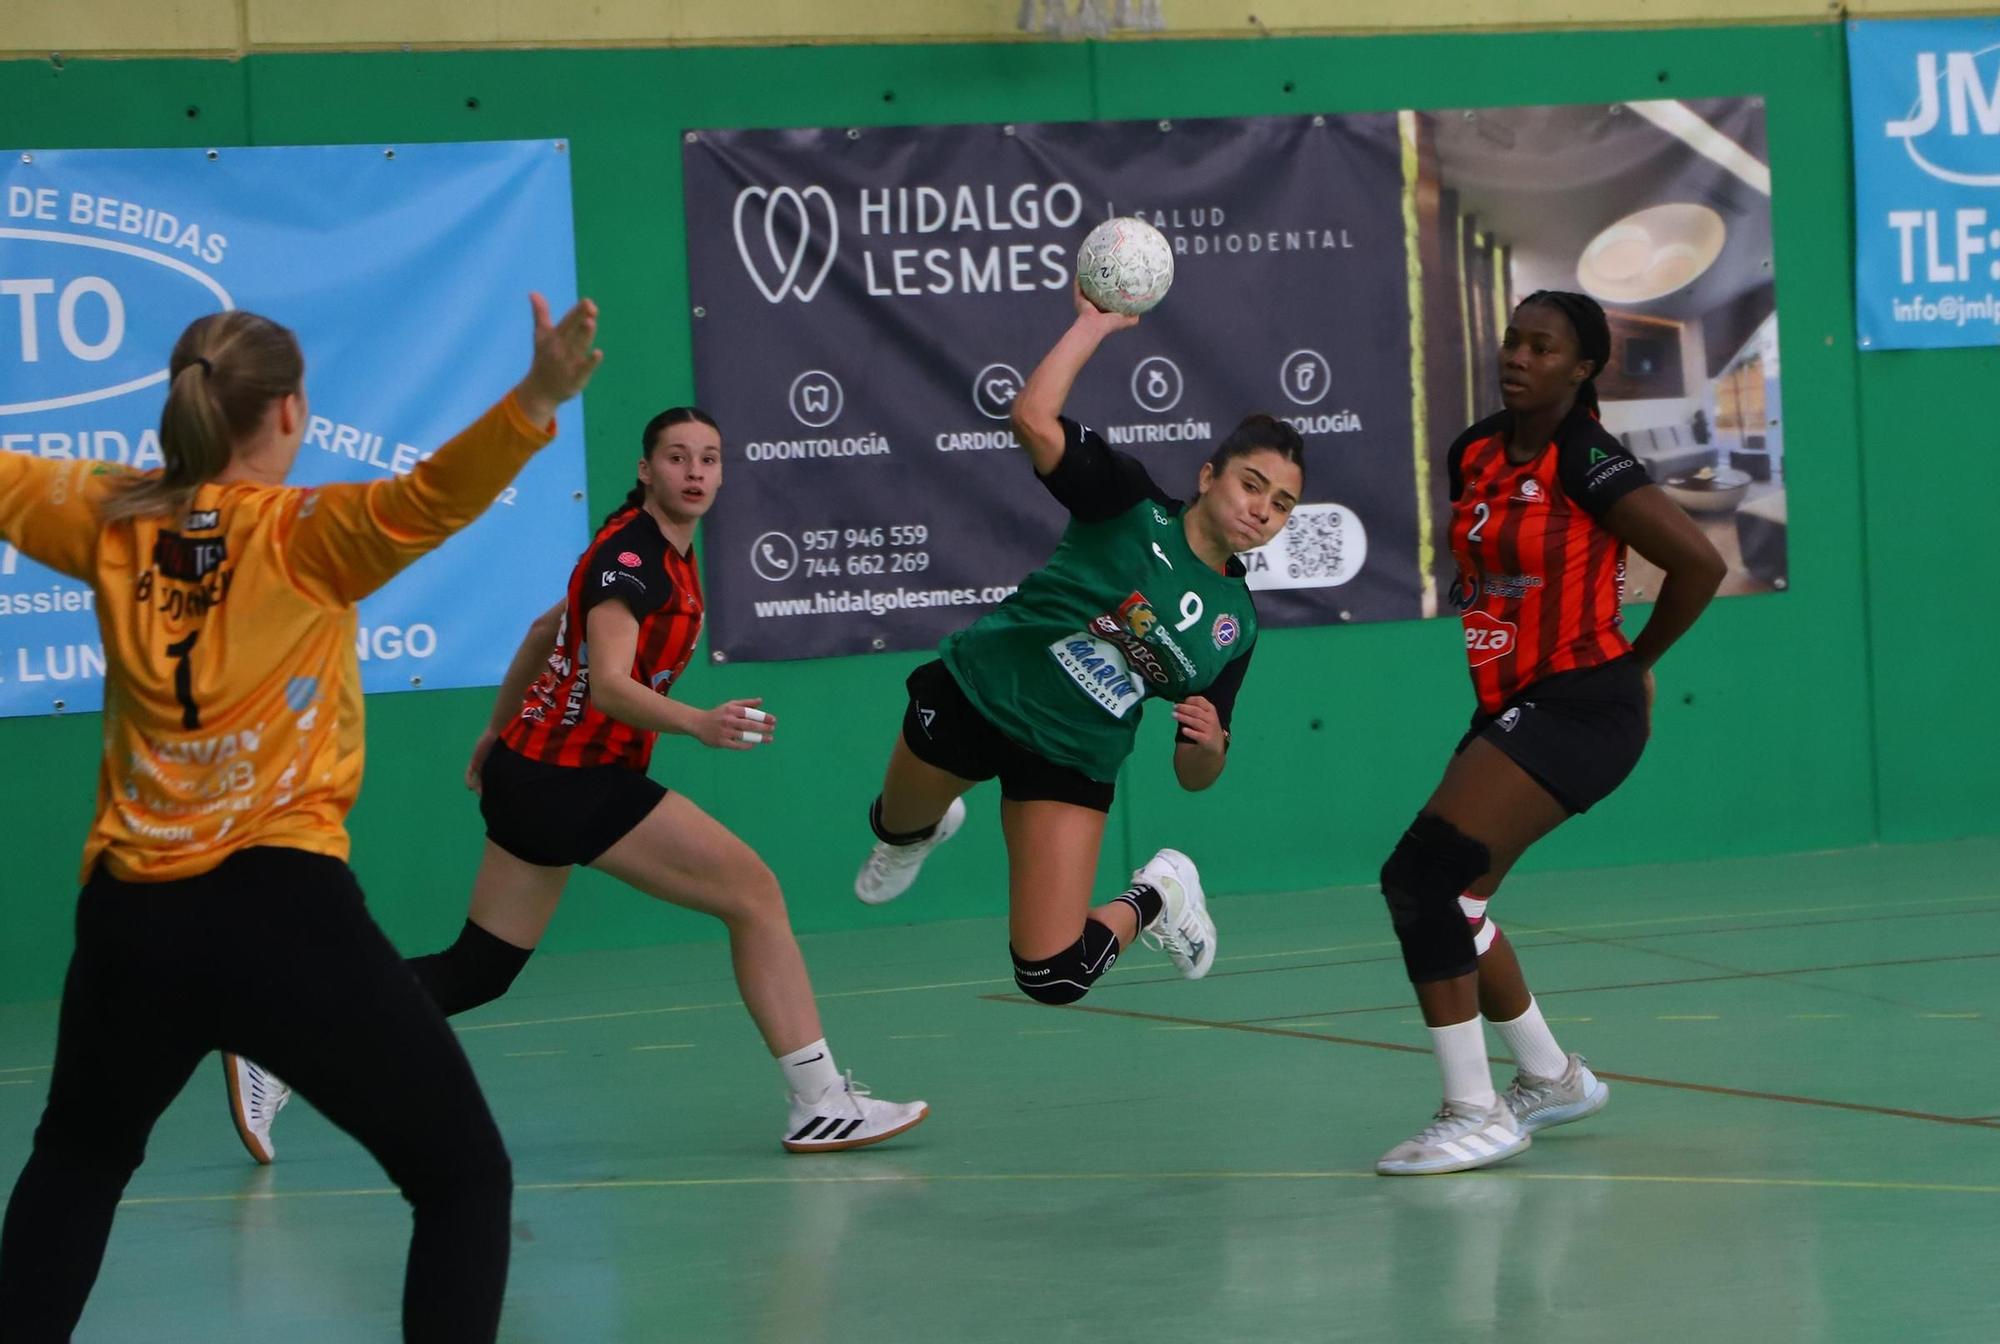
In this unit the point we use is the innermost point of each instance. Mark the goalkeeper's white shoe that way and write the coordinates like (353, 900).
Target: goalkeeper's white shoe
(255, 1098)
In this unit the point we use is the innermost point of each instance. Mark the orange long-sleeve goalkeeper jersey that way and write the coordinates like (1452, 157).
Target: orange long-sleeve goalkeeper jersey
(232, 695)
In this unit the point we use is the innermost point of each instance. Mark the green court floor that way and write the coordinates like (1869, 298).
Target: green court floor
(1803, 1141)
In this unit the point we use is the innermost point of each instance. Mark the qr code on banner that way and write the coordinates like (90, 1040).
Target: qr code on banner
(1321, 546)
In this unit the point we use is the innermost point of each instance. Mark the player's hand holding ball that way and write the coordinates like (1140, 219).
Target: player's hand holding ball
(1124, 267)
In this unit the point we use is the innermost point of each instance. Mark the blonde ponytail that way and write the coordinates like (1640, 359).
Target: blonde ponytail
(224, 373)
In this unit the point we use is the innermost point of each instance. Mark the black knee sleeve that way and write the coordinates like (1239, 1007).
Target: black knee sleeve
(889, 837)
(476, 969)
(1431, 865)
(1069, 974)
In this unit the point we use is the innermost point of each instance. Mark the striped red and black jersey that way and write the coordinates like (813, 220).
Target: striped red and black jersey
(1541, 580)
(628, 561)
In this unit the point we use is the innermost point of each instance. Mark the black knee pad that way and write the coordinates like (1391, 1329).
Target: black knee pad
(1069, 974)
(1431, 865)
(476, 969)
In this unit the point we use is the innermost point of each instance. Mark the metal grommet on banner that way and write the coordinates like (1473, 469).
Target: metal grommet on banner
(1346, 615)
(389, 153)
(1166, 125)
(562, 146)
(1008, 129)
(213, 156)
(853, 133)
(576, 495)
(27, 158)
(691, 138)
(717, 656)
(878, 644)
(700, 311)
(1319, 120)
(416, 681)
(59, 706)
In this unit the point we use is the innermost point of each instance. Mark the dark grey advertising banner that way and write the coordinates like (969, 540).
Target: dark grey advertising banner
(867, 302)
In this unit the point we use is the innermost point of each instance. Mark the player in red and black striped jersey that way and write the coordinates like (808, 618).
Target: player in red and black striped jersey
(629, 560)
(1544, 504)
(561, 777)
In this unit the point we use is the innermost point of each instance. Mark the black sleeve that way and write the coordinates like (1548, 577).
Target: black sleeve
(1222, 691)
(630, 568)
(1596, 470)
(1095, 482)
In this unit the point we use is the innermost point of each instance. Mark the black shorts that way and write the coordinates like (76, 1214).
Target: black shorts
(558, 815)
(944, 729)
(1578, 733)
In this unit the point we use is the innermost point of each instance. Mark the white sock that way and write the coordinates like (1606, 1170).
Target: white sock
(809, 1070)
(1461, 1054)
(1532, 1044)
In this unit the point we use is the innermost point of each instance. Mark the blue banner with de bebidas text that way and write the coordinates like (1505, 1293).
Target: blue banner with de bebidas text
(1926, 97)
(405, 272)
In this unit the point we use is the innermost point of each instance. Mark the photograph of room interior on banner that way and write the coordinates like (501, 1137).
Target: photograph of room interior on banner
(1662, 212)
(867, 302)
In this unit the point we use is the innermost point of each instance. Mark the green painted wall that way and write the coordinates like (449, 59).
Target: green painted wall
(1770, 733)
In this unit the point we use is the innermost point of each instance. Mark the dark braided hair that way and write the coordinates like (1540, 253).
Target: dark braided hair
(1593, 334)
(649, 437)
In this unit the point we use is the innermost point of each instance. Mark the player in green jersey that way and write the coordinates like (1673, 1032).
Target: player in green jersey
(1144, 597)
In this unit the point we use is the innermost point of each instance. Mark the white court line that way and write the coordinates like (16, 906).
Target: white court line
(1502, 1174)
(1248, 956)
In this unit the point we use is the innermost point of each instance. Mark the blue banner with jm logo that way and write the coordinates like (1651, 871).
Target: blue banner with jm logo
(1926, 98)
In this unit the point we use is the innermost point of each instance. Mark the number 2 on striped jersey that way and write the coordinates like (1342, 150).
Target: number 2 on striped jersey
(1482, 512)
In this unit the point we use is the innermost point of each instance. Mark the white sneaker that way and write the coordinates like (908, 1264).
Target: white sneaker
(255, 1098)
(892, 868)
(1184, 930)
(1458, 1138)
(846, 1116)
(1540, 1103)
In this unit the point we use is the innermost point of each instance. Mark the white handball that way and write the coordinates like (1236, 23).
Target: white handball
(1125, 266)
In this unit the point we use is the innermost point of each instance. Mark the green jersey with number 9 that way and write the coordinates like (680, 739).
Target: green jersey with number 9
(1124, 610)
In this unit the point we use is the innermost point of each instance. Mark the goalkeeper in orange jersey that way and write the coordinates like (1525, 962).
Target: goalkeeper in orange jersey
(218, 910)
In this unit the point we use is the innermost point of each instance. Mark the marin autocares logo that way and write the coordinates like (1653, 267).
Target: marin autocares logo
(94, 290)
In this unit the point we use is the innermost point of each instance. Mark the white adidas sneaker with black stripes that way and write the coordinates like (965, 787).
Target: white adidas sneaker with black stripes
(255, 1098)
(846, 1116)
(1458, 1138)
